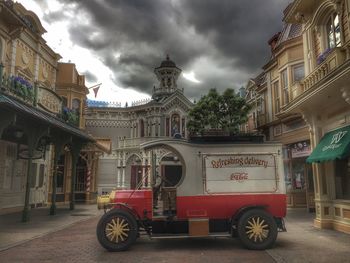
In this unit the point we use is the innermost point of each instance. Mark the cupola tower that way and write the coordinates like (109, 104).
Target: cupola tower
(167, 74)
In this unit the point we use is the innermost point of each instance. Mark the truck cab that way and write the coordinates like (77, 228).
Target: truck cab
(224, 189)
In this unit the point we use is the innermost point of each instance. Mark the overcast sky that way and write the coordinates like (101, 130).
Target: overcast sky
(217, 43)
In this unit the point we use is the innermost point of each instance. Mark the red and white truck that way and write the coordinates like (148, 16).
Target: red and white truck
(233, 189)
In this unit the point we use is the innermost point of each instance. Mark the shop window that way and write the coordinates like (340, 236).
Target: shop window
(298, 72)
(333, 31)
(298, 174)
(342, 179)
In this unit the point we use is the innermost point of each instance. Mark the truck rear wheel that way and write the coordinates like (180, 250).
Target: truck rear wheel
(117, 230)
(257, 229)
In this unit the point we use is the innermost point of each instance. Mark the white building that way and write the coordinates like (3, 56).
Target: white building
(165, 115)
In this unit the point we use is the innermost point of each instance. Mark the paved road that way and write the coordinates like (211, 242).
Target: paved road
(78, 243)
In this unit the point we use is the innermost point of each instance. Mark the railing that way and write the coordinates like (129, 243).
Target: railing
(17, 87)
(103, 104)
(295, 90)
(135, 142)
(329, 62)
(140, 102)
(26, 92)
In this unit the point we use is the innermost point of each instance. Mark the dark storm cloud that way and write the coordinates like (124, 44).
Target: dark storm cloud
(223, 41)
(89, 76)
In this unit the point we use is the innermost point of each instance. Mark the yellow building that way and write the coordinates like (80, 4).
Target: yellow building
(270, 93)
(323, 98)
(70, 85)
(33, 128)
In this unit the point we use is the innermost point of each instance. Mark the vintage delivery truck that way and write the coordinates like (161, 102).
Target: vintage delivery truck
(227, 189)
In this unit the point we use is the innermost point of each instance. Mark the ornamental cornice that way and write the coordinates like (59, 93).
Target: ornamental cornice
(108, 123)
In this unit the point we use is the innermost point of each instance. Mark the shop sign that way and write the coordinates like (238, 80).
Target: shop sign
(49, 100)
(300, 149)
(235, 173)
(335, 142)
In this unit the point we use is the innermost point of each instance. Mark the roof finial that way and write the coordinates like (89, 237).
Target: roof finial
(167, 57)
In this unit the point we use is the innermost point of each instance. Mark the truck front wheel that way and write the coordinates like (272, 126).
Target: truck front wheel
(117, 230)
(257, 229)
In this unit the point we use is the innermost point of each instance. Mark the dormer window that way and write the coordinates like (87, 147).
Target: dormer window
(333, 31)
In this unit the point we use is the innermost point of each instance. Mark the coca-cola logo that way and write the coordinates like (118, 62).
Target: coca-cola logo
(240, 177)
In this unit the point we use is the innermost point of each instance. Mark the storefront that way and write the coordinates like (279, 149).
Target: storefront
(332, 162)
(34, 140)
(298, 175)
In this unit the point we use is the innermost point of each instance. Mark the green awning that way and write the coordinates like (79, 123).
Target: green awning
(333, 145)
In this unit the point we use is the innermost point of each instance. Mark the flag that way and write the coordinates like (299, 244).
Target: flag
(96, 90)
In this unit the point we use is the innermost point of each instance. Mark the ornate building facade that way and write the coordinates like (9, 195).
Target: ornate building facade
(36, 129)
(307, 106)
(270, 92)
(164, 116)
(322, 97)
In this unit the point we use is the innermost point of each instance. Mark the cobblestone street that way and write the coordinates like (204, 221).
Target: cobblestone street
(78, 243)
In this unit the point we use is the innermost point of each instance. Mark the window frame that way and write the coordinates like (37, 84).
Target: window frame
(277, 96)
(299, 65)
(284, 85)
(332, 31)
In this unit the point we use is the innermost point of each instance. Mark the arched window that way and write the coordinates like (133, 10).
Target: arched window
(76, 108)
(333, 31)
(76, 105)
(175, 124)
(142, 128)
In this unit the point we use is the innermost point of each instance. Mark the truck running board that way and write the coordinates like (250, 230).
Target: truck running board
(172, 236)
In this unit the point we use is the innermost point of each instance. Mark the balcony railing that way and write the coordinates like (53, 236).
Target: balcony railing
(18, 88)
(135, 142)
(33, 95)
(330, 61)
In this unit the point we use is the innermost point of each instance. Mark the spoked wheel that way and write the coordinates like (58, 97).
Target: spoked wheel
(117, 230)
(257, 229)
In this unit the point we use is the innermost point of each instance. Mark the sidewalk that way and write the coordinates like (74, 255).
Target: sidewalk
(14, 232)
(304, 243)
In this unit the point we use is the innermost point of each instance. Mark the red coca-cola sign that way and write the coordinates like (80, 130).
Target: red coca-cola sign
(240, 177)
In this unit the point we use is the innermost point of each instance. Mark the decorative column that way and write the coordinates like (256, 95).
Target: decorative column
(76, 146)
(118, 170)
(13, 56)
(123, 177)
(36, 67)
(149, 169)
(143, 169)
(123, 170)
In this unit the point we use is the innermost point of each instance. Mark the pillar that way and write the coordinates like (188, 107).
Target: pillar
(75, 151)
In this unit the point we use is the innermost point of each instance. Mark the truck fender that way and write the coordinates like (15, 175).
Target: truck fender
(133, 212)
(126, 207)
(235, 217)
